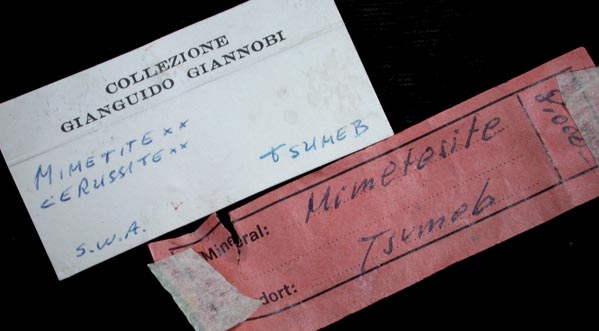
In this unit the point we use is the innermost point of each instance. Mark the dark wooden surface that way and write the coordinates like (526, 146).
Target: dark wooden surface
(422, 57)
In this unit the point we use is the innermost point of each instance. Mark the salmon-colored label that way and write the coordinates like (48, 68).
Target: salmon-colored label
(369, 225)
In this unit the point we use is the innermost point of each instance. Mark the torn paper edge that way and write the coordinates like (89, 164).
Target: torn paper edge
(207, 299)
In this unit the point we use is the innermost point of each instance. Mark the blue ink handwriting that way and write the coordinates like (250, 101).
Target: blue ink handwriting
(121, 163)
(83, 249)
(293, 151)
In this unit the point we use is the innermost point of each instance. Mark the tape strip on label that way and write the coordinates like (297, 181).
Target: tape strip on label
(580, 91)
(209, 302)
(382, 219)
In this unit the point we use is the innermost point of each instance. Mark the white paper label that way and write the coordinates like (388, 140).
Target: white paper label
(128, 150)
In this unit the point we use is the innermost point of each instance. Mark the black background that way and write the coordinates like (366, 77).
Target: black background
(422, 57)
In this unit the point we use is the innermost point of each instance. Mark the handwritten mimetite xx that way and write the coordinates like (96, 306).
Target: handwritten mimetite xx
(140, 145)
(369, 225)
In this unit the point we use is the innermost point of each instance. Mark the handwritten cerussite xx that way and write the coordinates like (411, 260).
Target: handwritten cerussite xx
(187, 125)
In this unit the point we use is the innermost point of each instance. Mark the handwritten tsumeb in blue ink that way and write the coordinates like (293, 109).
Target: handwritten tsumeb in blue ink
(142, 144)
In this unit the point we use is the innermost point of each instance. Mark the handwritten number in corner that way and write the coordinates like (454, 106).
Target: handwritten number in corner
(549, 98)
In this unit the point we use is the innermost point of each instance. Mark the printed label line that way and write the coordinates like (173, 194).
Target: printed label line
(538, 134)
(286, 47)
(402, 145)
(424, 245)
(486, 106)
(173, 249)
